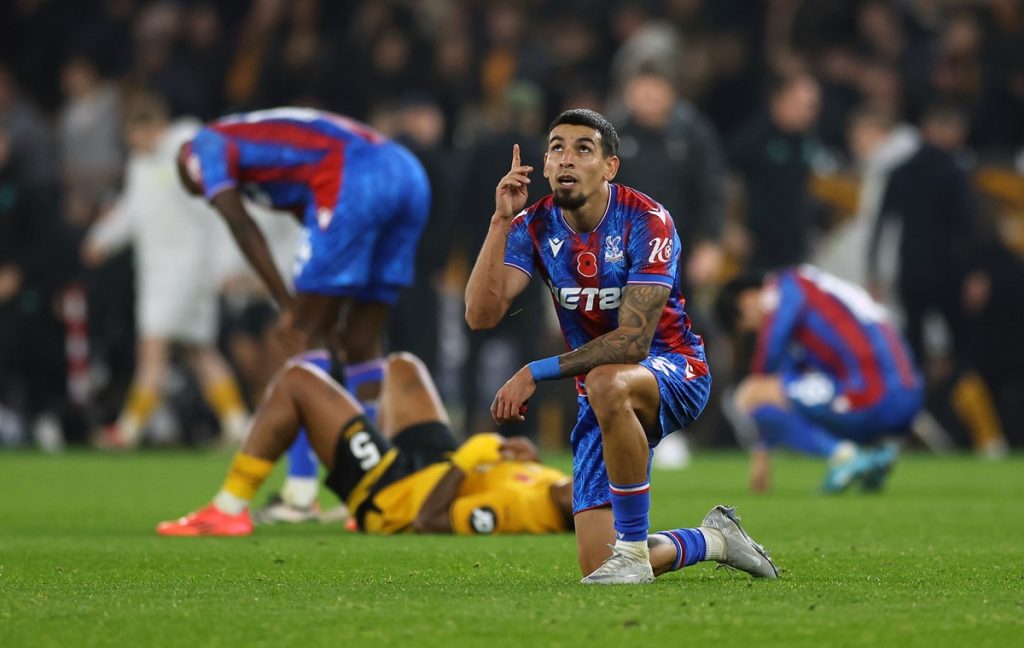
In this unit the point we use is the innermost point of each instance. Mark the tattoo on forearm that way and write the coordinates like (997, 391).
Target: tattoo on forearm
(639, 313)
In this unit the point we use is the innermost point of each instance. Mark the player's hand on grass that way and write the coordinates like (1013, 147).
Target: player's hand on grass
(760, 471)
(509, 403)
(510, 196)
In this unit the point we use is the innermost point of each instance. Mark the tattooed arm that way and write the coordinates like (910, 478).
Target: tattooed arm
(641, 308)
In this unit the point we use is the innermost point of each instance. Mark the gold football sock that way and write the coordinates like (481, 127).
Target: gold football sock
(246, 475)
(973, 403)
(141, 403)
(225, 399)
(137, 410)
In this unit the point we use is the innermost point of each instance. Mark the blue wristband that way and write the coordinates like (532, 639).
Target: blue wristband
(545, 369)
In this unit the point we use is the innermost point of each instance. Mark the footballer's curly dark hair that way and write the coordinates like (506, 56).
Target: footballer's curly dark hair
(595, 120)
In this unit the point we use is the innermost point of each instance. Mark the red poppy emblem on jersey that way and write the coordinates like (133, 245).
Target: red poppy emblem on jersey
(586, 264)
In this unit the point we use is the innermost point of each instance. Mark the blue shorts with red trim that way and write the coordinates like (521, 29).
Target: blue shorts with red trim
(366, 248)
(822, 398)
(682, 400)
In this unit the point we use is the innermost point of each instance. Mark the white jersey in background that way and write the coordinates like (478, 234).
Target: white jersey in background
(183, 250)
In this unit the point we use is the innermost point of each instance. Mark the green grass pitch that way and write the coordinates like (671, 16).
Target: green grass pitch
(937, 560)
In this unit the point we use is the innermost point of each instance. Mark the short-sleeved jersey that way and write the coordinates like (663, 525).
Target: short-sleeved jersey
(285, 158)
(820, 322)
(509, 497)
(504, 497)
(634, 243)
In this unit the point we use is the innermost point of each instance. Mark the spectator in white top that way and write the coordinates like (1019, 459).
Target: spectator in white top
(179, 244)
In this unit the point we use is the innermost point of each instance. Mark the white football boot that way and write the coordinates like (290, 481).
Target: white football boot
(278, 511)
(741, 552)
(621, 568)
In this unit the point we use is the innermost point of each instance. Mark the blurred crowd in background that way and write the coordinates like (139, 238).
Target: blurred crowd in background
(882, 140)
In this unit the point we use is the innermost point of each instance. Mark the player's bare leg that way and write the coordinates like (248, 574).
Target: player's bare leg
(595, 533)
(625, 399)
(353, 329)
(408, 396)
(312, 322)
(301, 394)
(361, 341)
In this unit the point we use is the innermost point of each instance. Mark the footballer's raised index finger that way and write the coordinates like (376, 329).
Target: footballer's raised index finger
(515, 155)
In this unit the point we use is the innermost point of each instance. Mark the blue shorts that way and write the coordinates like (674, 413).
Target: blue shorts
(368, 249)
(682, 401)
(820, 397)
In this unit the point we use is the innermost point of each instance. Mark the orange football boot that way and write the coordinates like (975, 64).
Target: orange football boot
(208, 521)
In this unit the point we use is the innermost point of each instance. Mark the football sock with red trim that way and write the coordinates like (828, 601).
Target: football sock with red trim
(631, 506)
(690, 544)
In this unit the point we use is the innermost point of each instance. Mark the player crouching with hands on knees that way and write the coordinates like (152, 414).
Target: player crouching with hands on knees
(831, 376)
(610, 256)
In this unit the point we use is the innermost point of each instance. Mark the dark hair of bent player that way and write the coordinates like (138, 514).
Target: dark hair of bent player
(727, 308)
(595, 120)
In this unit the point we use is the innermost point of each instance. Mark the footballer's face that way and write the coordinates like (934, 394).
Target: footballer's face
(576, 166)
(143, 137)
(751, 304)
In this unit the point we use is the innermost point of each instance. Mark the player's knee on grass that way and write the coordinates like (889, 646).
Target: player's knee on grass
(755, 391)
(595, 531)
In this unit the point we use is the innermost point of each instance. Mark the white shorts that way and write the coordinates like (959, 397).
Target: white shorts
(183, 310)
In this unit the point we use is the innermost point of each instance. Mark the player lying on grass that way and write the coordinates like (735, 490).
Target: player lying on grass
(414, 477)
(831, 376)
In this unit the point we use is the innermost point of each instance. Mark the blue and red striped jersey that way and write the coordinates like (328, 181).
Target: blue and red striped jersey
(634, 243)
(819, 322)
(285, 158)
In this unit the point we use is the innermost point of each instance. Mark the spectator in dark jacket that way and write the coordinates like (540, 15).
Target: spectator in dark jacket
(773, 155)
(673, 153)
(931, 198)
(32, 364)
